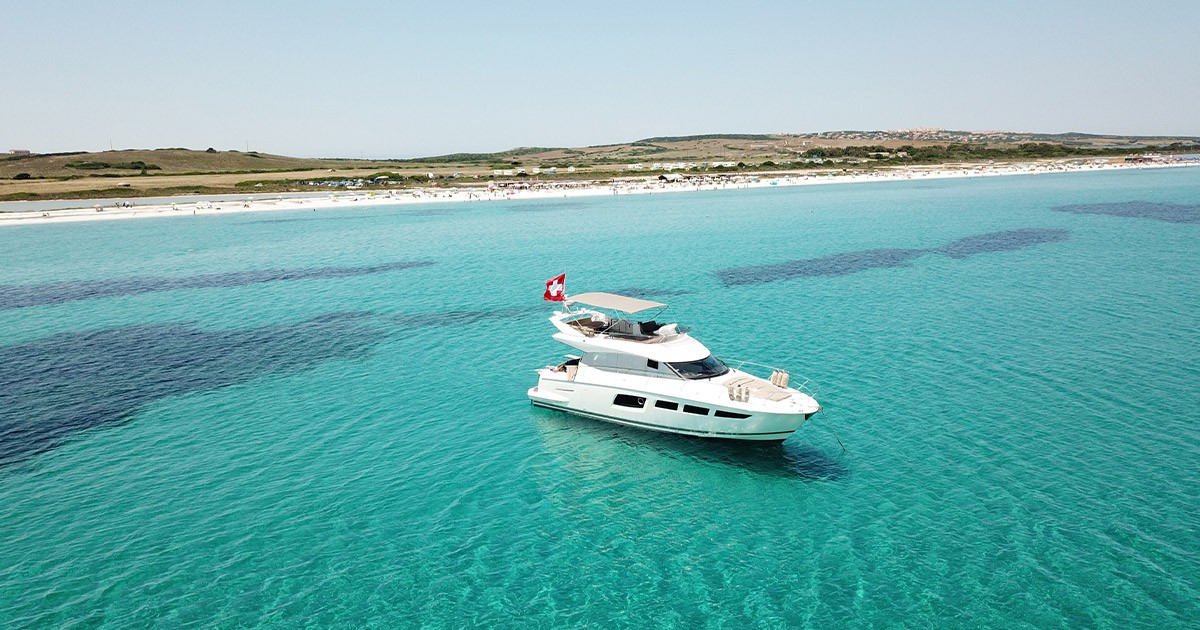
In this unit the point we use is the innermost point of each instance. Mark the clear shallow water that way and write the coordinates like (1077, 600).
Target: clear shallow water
(320, 417)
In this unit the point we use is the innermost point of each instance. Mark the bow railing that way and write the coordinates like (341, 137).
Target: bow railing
(778, 376)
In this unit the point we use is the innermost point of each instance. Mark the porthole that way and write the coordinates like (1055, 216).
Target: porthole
(625, 400)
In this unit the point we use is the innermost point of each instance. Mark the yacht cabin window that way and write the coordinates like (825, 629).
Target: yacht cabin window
(625, 400)
(627, 364)
(707, 367)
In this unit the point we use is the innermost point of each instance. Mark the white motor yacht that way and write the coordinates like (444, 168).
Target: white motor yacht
(656, 376)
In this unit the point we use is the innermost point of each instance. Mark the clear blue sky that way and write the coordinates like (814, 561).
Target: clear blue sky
(394, 79)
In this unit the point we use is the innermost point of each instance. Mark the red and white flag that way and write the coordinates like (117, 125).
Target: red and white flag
(556, 288)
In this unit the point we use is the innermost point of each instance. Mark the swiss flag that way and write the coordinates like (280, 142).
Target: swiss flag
(556, 288)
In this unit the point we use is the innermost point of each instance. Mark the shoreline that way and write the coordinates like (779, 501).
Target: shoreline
(541, 190)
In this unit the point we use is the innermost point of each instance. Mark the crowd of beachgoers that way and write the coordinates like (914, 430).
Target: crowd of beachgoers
(533, 189)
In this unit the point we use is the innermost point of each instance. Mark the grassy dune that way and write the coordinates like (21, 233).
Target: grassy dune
(179, 171)
(169, 161)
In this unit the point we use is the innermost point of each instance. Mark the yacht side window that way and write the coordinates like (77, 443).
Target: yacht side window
(626, 364)
(625, 400)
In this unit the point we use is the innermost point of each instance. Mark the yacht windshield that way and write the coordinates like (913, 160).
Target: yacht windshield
(707, 367)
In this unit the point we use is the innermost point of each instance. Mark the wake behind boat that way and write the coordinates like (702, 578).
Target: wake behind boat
(656, 376)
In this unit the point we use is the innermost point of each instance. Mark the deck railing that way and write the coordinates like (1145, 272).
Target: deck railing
(798, 382)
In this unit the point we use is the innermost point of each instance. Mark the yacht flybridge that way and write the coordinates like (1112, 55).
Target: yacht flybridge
(641, 373)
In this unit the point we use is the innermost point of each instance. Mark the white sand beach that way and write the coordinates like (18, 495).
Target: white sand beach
(529, 190)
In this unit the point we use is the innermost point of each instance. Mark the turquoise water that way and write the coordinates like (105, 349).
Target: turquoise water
(319, 418)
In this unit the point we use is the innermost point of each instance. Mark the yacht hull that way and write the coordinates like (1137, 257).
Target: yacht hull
(656, 414)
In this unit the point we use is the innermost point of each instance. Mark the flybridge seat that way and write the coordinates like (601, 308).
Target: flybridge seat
(626, 328)
(622, 328)
(650, 327)
(597, 323)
